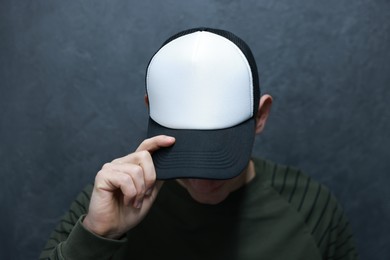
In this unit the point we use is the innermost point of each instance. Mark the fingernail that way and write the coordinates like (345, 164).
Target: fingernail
(149, 191)
(170, 138)
(139, 204)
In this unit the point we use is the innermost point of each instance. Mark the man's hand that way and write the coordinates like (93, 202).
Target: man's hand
(124, 190)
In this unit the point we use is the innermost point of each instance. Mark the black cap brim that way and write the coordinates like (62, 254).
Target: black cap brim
(204, 154)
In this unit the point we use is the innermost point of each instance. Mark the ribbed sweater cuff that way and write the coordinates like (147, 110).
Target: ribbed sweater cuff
(83, 244)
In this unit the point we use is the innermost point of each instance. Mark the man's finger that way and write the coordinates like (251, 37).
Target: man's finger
(154, 143)
(150, 145)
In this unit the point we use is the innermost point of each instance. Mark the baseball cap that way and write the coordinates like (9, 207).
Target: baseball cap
(203, 89)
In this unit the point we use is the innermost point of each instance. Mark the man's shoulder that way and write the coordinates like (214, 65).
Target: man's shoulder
(310, 199)
(289, 181)
(314, 204)
(282, 176)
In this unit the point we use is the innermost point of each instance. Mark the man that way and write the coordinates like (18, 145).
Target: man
(191, 190)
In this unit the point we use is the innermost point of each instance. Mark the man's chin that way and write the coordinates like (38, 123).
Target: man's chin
(204, 186)
(205, 191)
(209, 200)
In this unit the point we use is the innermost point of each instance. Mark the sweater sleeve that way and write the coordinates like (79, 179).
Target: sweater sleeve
(70, 240)
(340, 242)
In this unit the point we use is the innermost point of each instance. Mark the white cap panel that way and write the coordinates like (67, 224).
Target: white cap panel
(200, 81)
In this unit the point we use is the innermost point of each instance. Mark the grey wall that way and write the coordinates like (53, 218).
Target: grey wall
(72, 86)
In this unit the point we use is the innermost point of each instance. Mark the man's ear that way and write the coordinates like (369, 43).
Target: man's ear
(265, 104)
(146, 99)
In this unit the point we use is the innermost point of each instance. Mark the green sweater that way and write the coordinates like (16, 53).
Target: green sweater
(280, 214)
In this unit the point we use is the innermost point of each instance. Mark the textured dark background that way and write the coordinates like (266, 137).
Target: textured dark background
(72, 86)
